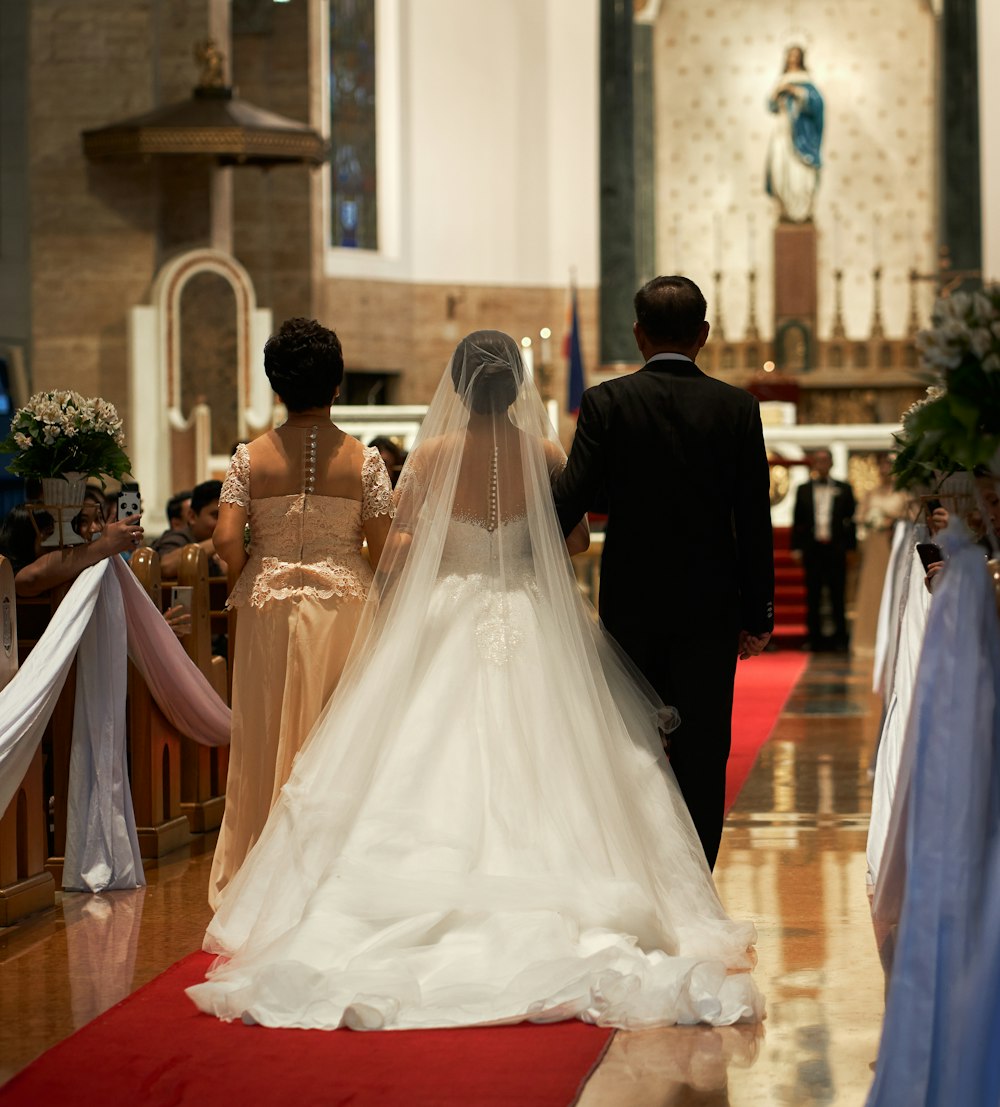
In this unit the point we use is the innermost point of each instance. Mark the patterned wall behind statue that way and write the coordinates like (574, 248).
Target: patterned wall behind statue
(717, 65)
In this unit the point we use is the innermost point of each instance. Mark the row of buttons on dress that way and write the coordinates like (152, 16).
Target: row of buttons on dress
(310, 485)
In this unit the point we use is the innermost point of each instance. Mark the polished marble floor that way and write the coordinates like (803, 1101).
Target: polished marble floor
(792, 860)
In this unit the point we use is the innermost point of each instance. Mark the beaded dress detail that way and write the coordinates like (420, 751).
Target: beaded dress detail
(305, 543)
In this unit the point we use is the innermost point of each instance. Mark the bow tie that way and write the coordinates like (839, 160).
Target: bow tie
(822, 483)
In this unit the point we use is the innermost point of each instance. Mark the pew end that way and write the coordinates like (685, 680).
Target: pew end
(26, 886)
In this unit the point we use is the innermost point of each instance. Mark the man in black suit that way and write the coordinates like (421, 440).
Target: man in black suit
(822, 533)
(687, 577)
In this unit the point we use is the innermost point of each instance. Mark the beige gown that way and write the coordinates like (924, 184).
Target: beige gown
(299, 598)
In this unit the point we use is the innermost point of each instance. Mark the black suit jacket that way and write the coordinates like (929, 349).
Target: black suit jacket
(842, 532)
(677, 460)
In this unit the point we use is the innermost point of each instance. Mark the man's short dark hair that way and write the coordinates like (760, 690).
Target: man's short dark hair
(304, 364)
(670, 310)
(175, 505)
(203, 494)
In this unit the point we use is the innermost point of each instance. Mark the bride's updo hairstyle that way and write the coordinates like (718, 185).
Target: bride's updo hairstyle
(487, 371)
(304, 364)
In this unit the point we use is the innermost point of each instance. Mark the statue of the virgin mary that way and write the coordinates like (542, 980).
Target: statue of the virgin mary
(793, 156)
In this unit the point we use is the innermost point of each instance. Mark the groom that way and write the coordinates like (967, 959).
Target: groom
(687, 575)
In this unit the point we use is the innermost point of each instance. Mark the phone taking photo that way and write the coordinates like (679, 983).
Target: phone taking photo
(129, 503)
(929, 553)
(180, 596)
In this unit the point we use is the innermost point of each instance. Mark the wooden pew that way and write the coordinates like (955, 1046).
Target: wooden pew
(33, 615)
(26, 885)
(203, 768)
(154, 747)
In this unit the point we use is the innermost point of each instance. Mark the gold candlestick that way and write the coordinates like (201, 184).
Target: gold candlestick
(839, 330)
(752, 333)
(877, 330)
(718, 327)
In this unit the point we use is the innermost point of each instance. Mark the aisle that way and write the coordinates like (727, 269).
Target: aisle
(792, 859)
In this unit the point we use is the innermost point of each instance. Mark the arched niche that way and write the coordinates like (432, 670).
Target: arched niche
(172, 441)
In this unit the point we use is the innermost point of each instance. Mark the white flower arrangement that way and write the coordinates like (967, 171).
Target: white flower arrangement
(963, 324)
(956, 427)
(63, 432)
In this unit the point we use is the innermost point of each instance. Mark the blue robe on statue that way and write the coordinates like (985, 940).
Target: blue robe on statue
(794, 159)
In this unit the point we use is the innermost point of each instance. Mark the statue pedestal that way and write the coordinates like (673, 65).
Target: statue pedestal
(795, 298)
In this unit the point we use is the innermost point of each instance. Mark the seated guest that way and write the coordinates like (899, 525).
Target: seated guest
(202, 516)
(392, 454)
(177, 509)
(36, 571)
(21, 535)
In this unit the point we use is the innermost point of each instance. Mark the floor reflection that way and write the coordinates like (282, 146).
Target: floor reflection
(61, 968)
(102, 939)
(676, 1066)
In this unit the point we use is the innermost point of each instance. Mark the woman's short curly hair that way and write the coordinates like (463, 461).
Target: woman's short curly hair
(304, 364)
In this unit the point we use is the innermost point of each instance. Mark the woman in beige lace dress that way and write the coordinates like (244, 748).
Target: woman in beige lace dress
(311, 495)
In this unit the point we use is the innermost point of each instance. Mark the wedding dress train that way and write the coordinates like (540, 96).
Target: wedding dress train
(482, 827)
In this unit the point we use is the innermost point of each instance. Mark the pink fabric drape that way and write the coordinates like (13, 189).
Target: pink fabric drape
(179, 687)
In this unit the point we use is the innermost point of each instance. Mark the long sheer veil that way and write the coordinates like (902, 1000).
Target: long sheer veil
(486, 455)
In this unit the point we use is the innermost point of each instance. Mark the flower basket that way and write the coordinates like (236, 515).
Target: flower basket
(61, 438)
(63, 497)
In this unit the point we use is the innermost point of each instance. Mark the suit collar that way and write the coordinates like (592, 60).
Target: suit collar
(677, 364)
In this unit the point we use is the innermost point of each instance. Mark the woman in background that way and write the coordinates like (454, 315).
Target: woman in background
(311, 495)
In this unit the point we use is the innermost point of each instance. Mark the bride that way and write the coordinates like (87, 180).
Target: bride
(482, 826)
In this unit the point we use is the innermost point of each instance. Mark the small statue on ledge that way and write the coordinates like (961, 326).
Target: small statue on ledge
(212, 61)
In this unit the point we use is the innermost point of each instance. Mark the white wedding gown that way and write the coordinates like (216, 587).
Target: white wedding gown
(482, 827)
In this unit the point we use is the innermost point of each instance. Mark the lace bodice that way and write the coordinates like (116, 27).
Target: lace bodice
(306, 543)
(470, 546)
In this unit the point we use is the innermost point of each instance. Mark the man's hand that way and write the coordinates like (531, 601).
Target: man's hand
(752, 644)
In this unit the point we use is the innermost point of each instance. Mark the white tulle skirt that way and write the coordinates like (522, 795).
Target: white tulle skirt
(479, 832)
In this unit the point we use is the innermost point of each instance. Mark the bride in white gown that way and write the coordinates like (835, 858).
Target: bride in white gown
(482, 826)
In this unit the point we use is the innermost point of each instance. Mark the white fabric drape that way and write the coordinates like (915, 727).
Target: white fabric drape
(28, 700)
(884, 847)
(105, 608)
(102, 847)
(888, 611)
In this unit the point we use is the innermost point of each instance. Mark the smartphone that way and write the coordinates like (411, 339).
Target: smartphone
(180, 596)
(129, 503)
(929, 552)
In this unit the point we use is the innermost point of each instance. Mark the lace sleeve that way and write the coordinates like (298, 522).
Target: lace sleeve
(236, 487)
(376, 488)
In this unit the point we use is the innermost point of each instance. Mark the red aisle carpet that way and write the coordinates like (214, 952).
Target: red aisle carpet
(763, 684)
(155, 1049)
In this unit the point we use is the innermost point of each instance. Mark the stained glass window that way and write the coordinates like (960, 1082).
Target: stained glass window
(354, 215)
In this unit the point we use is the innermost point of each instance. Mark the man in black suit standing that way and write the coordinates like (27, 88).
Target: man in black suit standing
(822, 533)
(677, 460)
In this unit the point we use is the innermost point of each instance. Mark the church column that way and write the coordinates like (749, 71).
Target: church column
(644, 125)
(617, 205)
(960, 198)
